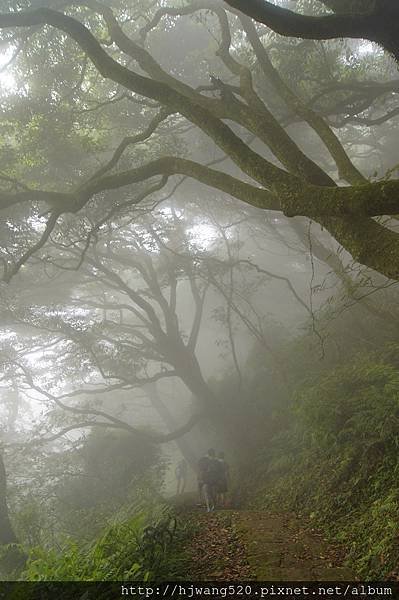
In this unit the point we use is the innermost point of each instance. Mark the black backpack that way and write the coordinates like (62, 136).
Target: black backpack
(215, 470)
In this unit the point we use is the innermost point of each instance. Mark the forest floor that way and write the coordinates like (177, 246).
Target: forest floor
(247, 545)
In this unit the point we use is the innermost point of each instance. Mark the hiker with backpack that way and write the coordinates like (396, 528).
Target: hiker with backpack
(208, 478)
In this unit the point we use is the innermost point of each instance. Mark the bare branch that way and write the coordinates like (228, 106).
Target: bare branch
(10, 271)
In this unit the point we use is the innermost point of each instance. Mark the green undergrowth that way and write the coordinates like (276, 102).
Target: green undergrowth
(140, 548)
(337, 463)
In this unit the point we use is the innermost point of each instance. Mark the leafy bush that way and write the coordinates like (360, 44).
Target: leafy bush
(133, 550)
(339, 460)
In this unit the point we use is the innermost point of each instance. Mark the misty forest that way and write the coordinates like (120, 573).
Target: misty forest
(199, 216)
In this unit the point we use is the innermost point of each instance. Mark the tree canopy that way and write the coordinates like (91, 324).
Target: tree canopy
(110, 61)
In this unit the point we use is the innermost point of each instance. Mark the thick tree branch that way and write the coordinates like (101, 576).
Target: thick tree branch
(251, 163)
(379, 26)
(253, 113)
(169, 166)
(347, 171)
(288, 23)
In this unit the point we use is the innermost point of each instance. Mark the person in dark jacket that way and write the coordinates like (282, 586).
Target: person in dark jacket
(208, 475)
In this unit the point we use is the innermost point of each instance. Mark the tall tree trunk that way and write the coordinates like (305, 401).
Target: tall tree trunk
(168, 419)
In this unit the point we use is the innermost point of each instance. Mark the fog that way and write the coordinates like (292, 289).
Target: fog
(199, 250)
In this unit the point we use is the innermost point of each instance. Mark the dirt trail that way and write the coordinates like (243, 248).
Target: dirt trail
(263, 546)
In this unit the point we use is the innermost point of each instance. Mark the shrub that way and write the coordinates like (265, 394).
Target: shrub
(338, 462)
